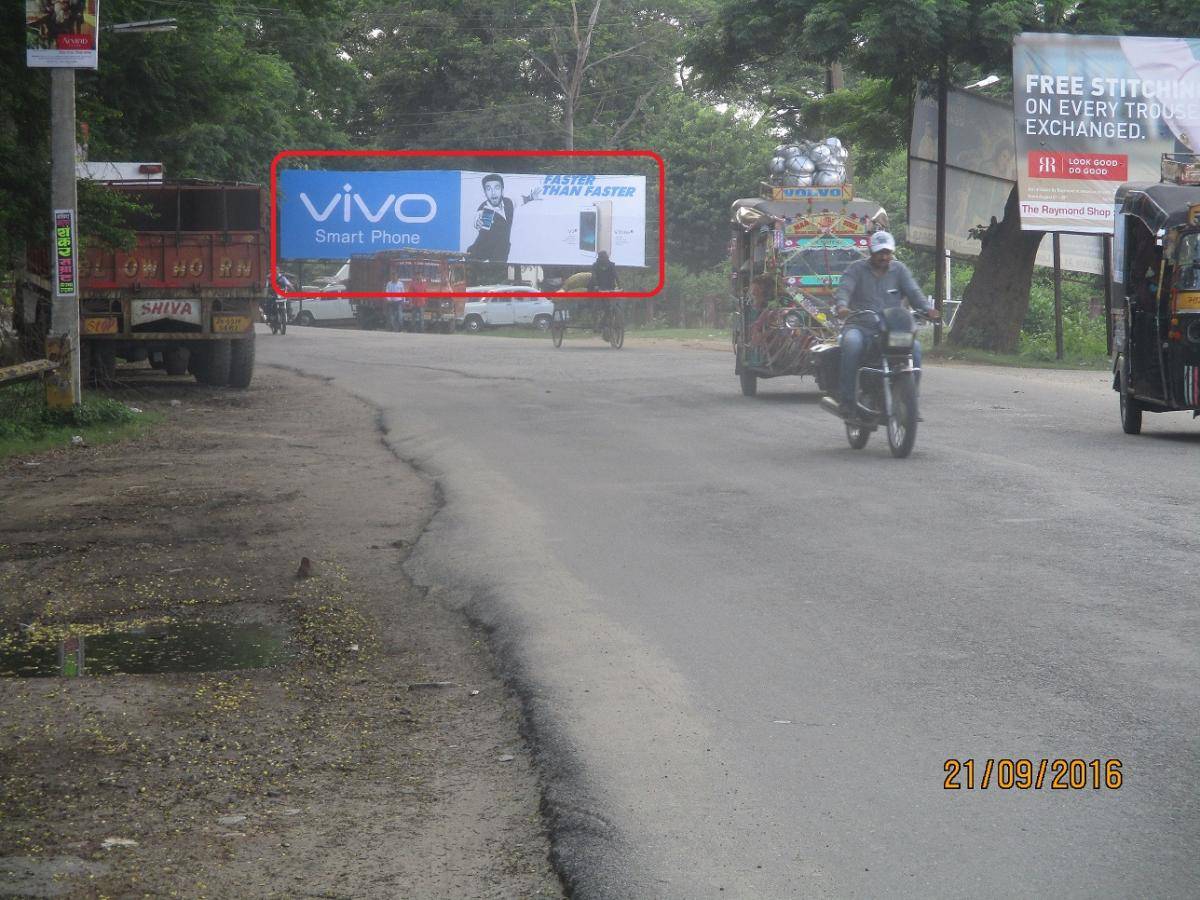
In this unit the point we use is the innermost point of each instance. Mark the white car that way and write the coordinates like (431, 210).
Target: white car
(312, 310)
(490, 311)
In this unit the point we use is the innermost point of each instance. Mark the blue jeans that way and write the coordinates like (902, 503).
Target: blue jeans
(854, 341)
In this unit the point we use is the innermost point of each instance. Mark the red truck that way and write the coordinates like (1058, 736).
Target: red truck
(185, 296)
(431, 270)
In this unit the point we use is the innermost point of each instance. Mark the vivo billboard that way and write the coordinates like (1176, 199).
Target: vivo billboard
(1093, 112)
(555, 219)
(332, 215)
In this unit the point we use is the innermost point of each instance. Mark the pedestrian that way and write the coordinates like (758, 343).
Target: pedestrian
(394, 311)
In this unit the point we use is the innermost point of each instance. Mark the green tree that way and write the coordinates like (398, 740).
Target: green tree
(218, 98)
(900, 43)
(712, 158)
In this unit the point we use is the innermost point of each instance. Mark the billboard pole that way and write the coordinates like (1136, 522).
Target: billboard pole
(1108, 280)
(939, 250)
(1058, 318)
(64, 310)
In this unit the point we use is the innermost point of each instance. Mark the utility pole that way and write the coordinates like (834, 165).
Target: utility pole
(939, 243)
(64, 391)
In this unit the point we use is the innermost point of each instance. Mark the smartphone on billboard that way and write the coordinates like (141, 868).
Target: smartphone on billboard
(587, 230)
(488, 216)
(604, 226)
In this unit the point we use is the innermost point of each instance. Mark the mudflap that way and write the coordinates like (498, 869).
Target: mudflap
(826, 361)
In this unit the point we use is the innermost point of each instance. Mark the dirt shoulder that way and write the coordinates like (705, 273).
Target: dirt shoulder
(383, 758)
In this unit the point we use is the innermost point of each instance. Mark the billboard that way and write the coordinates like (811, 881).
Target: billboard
(62, 33)
(543, 219)
(1092, 112)
(981, 172)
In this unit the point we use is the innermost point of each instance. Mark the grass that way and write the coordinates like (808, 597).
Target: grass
(1030, 360)
(677, 334)
(683, 334)
(27, 427)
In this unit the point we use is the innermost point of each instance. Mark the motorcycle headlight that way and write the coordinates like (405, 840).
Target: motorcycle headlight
(900, 338)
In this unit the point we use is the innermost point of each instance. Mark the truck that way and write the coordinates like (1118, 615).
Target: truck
(435, 271)
(184, 296)
(795, 245)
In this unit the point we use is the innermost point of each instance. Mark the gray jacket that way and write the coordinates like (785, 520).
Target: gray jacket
(861, 288)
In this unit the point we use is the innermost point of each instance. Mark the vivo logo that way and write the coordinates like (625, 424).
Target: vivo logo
(348, 199)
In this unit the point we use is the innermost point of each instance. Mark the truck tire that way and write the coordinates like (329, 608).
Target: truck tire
(212, 363)
(104, 363)
(176, 360)
(241, 363)
(85, 363)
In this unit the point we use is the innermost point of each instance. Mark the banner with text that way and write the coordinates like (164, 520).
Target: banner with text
(488, 216)
(1092, 112)
(62, 34)
(553, 219)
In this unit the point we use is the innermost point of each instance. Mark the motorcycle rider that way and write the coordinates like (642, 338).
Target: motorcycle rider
(875, 283)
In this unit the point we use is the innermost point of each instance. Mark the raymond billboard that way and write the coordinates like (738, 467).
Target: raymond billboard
(1095, 111)
(62, 33)
(547, 219)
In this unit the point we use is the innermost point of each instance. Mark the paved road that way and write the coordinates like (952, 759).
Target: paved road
(748, 650)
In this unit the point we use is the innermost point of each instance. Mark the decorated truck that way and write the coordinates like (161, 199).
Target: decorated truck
(788, 249)
(426, 270)
(184, 296)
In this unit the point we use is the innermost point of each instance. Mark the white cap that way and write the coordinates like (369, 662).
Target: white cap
(882, 240)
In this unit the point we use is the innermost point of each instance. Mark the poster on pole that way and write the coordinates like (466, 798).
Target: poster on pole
(980, 173)
(1095, 111)
(65, 266)
(62, 34)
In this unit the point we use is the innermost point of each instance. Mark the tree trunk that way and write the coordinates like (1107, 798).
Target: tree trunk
(997, 298)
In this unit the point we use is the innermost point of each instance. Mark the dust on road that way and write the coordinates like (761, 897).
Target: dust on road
(382, 758)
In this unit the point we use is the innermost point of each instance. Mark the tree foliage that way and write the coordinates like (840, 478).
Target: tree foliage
(218, 98)
(712, 158)
(896, 44)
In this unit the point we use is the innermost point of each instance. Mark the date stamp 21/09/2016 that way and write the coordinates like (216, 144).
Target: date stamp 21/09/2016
(1033, 774)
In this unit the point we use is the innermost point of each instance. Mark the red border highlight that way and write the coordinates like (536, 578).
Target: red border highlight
(559, 295)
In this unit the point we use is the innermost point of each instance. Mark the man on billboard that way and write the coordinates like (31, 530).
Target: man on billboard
(493, 221)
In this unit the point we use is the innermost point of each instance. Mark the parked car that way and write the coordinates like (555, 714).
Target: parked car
(487, 312)
(322, 310)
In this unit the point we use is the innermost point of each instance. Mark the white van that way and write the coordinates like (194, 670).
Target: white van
(321, 310)
(325, 310)
(487, 312)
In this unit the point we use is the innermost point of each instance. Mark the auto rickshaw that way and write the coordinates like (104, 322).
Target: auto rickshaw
(1155, 293)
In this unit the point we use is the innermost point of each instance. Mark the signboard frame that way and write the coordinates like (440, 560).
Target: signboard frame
(62, 35)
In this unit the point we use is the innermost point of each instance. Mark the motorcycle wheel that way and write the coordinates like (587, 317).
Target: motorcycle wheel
(274, 324)
(902, 423)
(857, 435)
(282, 316)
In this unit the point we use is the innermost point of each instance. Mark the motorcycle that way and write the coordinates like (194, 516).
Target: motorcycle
(885, 389)
(277, 316)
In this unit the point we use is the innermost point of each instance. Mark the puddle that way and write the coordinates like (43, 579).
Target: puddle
(177, 647)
